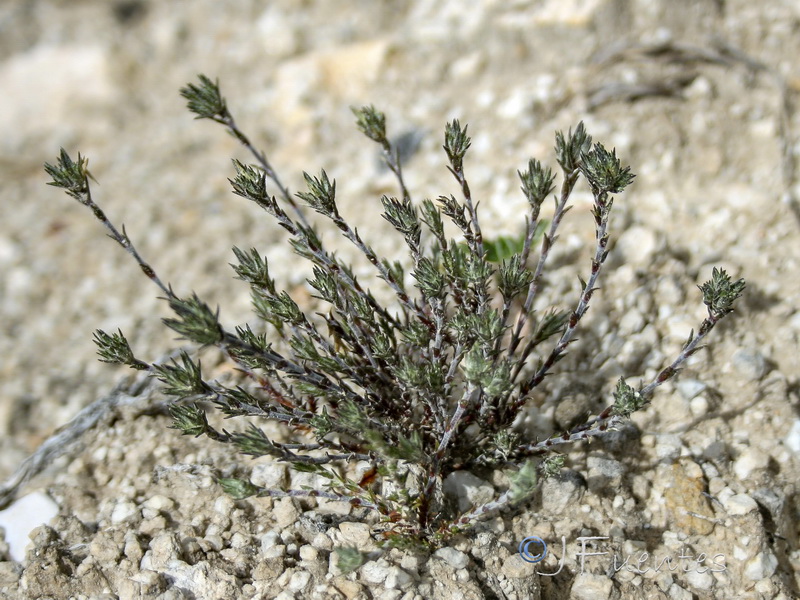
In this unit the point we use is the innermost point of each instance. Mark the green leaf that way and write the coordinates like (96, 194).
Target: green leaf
(255, 442)
(114, 348)
(627, 400)
(349, 559)
(189, 419)
(371, 122)
(523, 481)
(720, 292)
(570, 149)
(196, 321)
(238, 488)
(537, 183)
(604, 171)
(321, 194)
(205, 99)
(184, 379)
(456, 143)
(72, 176)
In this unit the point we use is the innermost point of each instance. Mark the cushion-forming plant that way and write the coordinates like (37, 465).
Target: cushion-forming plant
(409, 394)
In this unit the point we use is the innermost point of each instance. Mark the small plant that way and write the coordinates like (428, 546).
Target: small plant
(416, 393)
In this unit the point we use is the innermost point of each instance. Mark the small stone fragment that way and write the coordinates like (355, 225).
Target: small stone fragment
(456, 559)
(739, 504)
(763, 565)
(750, 462)
(591, 587)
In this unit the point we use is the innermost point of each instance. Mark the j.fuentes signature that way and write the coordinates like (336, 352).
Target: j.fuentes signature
(534, 550)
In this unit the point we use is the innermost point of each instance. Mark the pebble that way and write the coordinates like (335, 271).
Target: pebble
(604, 472)
(375, 572)
(699, 406)
(637, 245)
(397, 578)
(456, 559)
(163, 549)
(591, 587)
(562, 491)
(224, 505)
(354, 534)
(668, 447)
(699, 579)
(103, 548)
(792, 439)
(270, 475)
(270, 539)
(739, 504)
(676, 592)
(122, 511)
(750, 461)
(22, 517)
(322, 542)
(308, 552)
(515, 567)
(285, 513)
(159, 502)
(329, 507)
(299, 580)
(239, 541)
(763, 565)
(750, 364)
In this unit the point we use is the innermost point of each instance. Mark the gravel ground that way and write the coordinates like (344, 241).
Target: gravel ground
(697, 499)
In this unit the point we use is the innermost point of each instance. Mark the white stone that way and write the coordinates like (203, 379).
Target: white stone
(22, 517)
(299, 580)
(699, 406)
(274, 551)
(397, 578)
(308, 552)
(701, 580)
(374, 572)
(270, 539)
(750, 364)
(561, 491)
(322, 542)
(355, 534)
(591, 587)
(739, 504)
(285, 513)
(749, 461)
(164, 548)
(224, 505)
(763, 565)
(676, 592)
(270, 475)
(331, 507)
(792, 439)
(631, 322)
(278, 34)
(46, 87)
(668, 446)
(456, 559)
(123, 510)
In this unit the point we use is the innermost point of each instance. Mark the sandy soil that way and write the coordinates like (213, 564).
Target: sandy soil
(699, 97)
